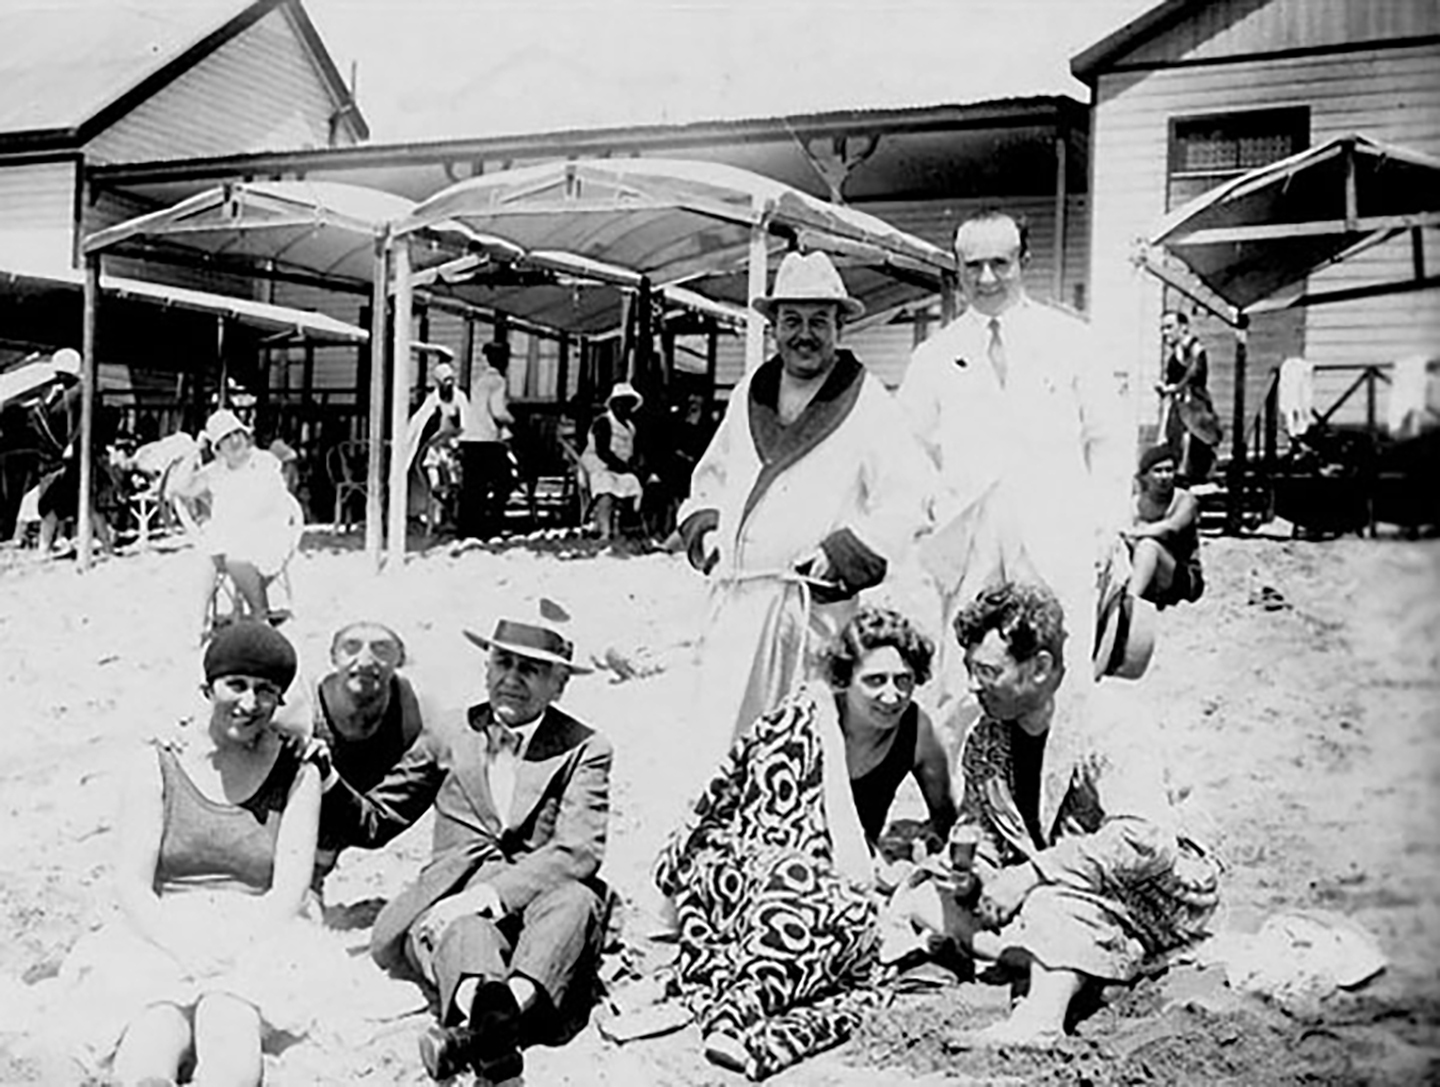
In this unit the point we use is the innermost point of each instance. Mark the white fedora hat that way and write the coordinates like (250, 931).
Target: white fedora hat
(222, 424)
(808, 277)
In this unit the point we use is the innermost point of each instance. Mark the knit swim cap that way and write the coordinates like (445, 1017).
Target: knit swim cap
(250, 648)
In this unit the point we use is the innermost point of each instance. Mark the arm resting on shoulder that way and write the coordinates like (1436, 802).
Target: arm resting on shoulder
(370, 820)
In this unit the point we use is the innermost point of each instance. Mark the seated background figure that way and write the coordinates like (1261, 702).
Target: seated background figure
(611, 458)
(1165, 537)
(1084, 869)
(771, 876)
(255, 522)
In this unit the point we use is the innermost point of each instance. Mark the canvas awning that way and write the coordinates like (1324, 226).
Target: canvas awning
(268, 319)
(1270, 229)
(323, 230)
(682, 223)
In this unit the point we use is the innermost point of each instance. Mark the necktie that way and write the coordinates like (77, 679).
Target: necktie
(504, 752)
(996, 351)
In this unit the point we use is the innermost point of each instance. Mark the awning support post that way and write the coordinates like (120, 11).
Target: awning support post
(375, 459)
(755, 288)
(89, 368)
(1235, 477)
(398, 491)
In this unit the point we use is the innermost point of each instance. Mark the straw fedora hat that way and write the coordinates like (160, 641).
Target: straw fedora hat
(808, 277)
(222, 424)
(1125, 636)
(538, 637)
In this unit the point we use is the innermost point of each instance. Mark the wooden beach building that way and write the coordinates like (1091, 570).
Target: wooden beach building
(1194, 93)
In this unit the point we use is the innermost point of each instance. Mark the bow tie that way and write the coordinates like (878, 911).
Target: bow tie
(502, 739)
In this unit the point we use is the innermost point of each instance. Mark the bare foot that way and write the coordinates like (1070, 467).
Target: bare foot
(1017, 1032)
(726, 1050)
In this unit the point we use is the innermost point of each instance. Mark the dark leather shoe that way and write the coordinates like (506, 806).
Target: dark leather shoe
(495, 1026)
(447, 1051)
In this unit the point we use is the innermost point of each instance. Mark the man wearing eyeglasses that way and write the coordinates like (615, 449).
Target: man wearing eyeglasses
(1018, 411)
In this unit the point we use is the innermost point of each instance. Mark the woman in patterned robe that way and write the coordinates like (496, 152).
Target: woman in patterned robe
(771, 875)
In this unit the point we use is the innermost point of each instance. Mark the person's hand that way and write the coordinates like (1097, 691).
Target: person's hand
(318, 752)
(481, 900)
(700, 554)
(1002, 895)
(816, 565)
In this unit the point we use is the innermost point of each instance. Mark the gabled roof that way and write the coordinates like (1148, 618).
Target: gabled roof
(1085, 66)
(72, 67)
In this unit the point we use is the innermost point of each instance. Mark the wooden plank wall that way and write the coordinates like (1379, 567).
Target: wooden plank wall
(260, 91)
(1391, 94)
(37, 216)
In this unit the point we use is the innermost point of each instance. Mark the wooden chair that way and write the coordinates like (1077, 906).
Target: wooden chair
(580, 479)
(347, 465)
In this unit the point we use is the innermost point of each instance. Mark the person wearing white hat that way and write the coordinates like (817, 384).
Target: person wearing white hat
(509, 913)
(255, 522)
(810, 492)
(612, 458)
(431, 437)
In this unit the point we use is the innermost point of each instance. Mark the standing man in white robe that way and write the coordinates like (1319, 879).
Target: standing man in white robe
(1021, 417)
(811, 491)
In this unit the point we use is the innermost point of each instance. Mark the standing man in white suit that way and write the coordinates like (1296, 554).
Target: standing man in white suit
(1020, 416)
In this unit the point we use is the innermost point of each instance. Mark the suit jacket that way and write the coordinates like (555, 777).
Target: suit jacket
(557, 827)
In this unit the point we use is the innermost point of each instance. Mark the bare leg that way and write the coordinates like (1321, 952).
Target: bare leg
(207, 574)
(251, 586)
(49, 526)
(227, 1042)
(1152, 569)
(153, 1045)
(605, 515)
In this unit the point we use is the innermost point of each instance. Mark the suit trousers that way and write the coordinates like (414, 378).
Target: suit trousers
(549, 942)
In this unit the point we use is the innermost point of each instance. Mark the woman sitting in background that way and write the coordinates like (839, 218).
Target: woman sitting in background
(217, 840)
(254, 523)
(771, 876)
(1165, 537)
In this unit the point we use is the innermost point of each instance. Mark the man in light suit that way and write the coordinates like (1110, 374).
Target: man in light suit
(508, 912)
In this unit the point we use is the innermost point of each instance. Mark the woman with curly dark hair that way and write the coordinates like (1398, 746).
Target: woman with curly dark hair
(874, 667)
(774, 875)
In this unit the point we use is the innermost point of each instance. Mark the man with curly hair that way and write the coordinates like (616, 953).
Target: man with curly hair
(1085, 869)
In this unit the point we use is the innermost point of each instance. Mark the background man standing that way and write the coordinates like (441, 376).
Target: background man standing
(1188, 422)
(485, 456)
(1020, 416)
(510, 909)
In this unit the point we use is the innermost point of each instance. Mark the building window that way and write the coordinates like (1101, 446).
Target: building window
(1206, 151)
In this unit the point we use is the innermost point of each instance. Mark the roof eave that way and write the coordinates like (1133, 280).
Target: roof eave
(346, 107)
(1036, 110)
(1089, 64)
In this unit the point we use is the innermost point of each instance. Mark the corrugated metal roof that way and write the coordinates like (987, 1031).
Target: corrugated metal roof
(62, 62)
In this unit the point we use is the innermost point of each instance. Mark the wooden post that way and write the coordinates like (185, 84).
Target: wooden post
(223, 400)
(712, 360)
(644, 337)
(1057, 275)
(467, 355)
(949, 297)
(375, 458)
(1235, 477)
(399, 408)
(562, 370)
(755, 288)
(89, 369)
